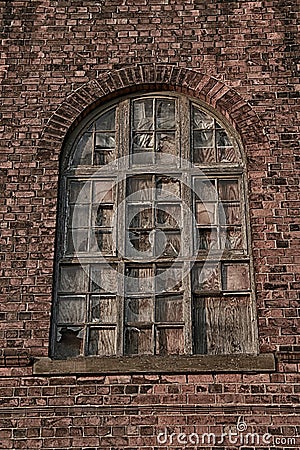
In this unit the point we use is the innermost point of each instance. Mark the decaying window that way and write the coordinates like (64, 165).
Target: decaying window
(153, 250)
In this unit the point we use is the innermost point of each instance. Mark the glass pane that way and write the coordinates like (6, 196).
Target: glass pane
(143, 142)
(205, 213)
(71, 310)
(78, 216)
(101, 242)
(204, 155)
(104, 309)
(140, 216)
(139, 279)
(103, 191)
(205, 190)
(203, 139)
(79, 191)
(168, 188)
(227, 154)
(83, 151)
(139, 310)
(229, 190)
(207, 239)
(206, 278)
(140, 241)
(106, 122)
(165, 143)
(201, 120)
(165, 114)
(232, 238)
(77, 241)
(138, 341)
(168, 279)
(232, 214)
(72, 279)
(105, 140)
(102, 216)
(102, 341)
(102, 157)
(167, 244)
(168, 215)
(169, 309)
(139, 189)
(143, 114)
(170, 341)
(103, 279)
(68, 342)
(236, 277)
(222, 139)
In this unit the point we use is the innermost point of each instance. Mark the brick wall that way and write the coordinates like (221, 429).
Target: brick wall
(58, 60)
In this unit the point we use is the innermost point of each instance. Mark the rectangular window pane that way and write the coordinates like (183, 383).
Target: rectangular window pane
(139, 189)
(101, 242)
(139, 310)
(207, 239)
(105, 140)
(143, 114)
(104, 309)
(205, 190)
(169, 309)
(222, 139)
(232, 214)
(204, 155)
(103, 191)
(140, 216)
(206, 277)
(205, 213)
(229, 190)
(102, 341)
(139, 279)
(168, 188)
(103, 278)
(102, 157)
(77, 240)
(78, 216)
(168, 279)
(102, 215)
(79, 191)
(227, 154)
(139, 244)
(169, 341)
(232, 238)
(73, 278)
(201, 120)
(167, 244)
(168, 215)
(138, 341)
(165, 114)
(203, 139)
(71, 309)
(83, 152)
(236, 277)
(165, 143)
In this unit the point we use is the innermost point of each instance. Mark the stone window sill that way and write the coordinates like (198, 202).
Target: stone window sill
(264, 362)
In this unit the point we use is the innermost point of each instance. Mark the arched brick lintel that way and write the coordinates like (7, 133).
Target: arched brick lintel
(148, 78)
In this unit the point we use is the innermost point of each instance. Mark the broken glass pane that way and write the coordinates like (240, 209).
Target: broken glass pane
(222, 139)
(140, 241)
(68, 342)
(140, 216)
(139, 310)
(102, 341)
(71, 309)
(168, 188)
(143, 114)
(106, 122)
(168, 279)
(203, 139)
(165, 114)
(165, 143)
(169, 309)
(169, 341)
(104, 309)
(138, 341)
(236, 277)
(208, 239)
(167, 244)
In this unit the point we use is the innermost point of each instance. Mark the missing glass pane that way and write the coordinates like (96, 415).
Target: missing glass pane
(68, 342)
(102, 215)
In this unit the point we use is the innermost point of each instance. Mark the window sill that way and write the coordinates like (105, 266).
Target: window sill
(264, 362)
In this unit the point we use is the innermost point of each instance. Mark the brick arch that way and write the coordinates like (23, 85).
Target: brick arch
(150, 77)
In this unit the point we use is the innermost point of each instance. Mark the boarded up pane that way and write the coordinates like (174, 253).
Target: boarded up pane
(139, 279)
(227, 154)
(106, 121)
(167, 244)
(71, 310)
(140, 216)
(201, 120)
(169, 309)
(101, 242)
(204, 155)
(72, 279)
(103, 191)
(207, 239)
(206, 278)
(138, 341)
(205, 189)
(140, 189)
(232, 214)
(168, 215)
(169, 341)
(165, 114)
(104, 309)
(102, 216)
(228, 325)
(79, 191)
(168, 279)
(236, 277)
(68, 342)
(229, 190)
(102, 341)
(83, 151)
(139, 310)
(205, 213)
(105, 140)
(103, 279)
(168, 188)
(143, 114)
(232, 238)
(199, 326)
(165, 143)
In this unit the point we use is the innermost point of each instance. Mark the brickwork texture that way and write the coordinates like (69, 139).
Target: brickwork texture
(59, 60)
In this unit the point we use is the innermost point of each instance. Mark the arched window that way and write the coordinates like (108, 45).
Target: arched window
(153, 246)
